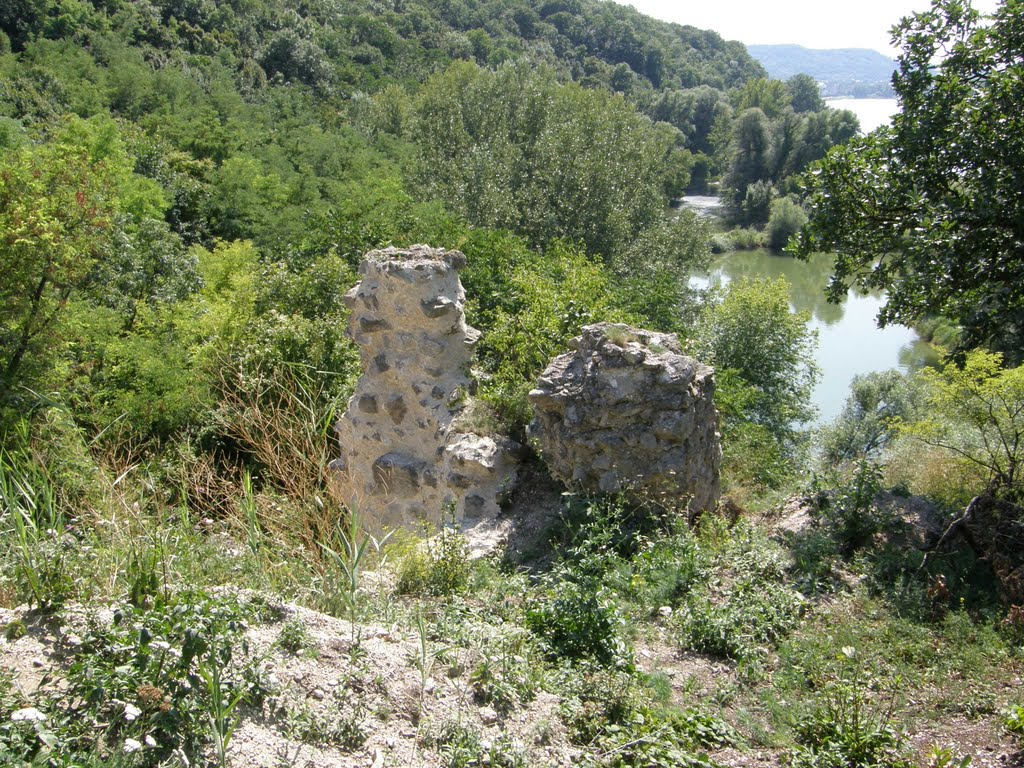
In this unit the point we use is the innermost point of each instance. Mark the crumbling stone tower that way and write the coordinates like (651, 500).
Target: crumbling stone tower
(402, 458)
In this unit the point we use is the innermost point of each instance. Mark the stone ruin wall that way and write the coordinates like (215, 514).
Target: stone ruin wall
(628, 412)
(403, 460)
(624, 412)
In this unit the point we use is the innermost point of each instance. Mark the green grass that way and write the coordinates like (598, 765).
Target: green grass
(773, 614)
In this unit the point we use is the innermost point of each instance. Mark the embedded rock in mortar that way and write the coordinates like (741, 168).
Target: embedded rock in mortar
(627, 411)
(402, 459)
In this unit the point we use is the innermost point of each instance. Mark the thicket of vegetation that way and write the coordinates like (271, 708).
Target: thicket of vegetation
(186, 189)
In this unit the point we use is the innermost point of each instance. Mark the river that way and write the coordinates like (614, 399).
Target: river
(870, 112)
(849, 339)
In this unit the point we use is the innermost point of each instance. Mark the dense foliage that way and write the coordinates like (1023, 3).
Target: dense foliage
(930, 209)
(184, 188)
(763, 355)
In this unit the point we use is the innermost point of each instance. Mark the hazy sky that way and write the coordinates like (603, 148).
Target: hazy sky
(811, 23)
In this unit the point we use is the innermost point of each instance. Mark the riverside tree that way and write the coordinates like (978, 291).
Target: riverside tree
(930, 210)
(763, 354)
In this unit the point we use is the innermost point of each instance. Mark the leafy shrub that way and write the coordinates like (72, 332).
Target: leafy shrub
(579, 621)
(461, 747)
(665, 569)
(294, 638)
(170, 677)
(744, 239)
(977, 412)
(745, 606)
(608, 710)
(939, 331)
(785, 220)
(438, 566)
(869, 421)
(722, 243)
(753, 461)
(852, 514)
(549, 300)
(1013, 719)
(753, 332)
(757, 202)
(341, 724)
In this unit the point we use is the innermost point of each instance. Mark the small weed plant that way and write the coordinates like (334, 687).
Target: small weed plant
(345, 562)
(461, 746)
(223, 698)
(610, 712)
(1013, 719)
(438, 566)
(579, 620)
(168, 678)
(295, 639)
(847, 728)
(32, 520)
(341, 725)
(946, 757)
(852, 514)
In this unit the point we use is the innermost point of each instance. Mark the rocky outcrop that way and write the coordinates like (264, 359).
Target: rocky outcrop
(627, 411)
(403, 460)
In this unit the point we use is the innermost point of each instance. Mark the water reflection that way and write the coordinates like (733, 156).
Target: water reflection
(849, 339)
(807, 279)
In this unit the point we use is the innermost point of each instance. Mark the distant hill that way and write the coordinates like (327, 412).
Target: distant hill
(859, 72)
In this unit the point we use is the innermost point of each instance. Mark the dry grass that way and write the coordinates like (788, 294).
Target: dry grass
(283, 424)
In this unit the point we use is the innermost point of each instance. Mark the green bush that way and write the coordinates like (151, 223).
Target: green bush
(852, 514)
(170, 676)
(785, 220)
(757, 202)
(1013, 719)
(745, 605)
(579, 621)
(438, 566)
(609, 711)
(741, 239)
(549, 299)
(763, 356)
(976, 411)
(869, 422)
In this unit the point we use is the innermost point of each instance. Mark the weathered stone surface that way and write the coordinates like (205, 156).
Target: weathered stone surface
(627, 411)
(402, 456)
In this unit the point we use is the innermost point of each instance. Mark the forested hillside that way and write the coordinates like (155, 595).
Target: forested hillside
(188, 185)
(857, 72)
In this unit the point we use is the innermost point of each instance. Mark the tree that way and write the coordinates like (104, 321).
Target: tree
(770, 96)
(786, 219)
(931, 210)
(977, 413)
(514, 149)
(754, 334)
(58, 202)
(879, 401)
(751, 153)
(804, 94)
